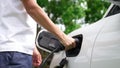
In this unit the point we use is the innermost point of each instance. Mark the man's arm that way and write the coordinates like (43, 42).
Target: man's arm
(41, 18)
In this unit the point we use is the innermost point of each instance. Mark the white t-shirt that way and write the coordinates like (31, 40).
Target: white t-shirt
(17, 28)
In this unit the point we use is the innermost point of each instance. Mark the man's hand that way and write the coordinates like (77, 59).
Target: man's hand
(68, 42)
(37, 59)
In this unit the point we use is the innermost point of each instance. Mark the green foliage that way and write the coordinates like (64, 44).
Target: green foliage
(96, 9)
(68, 11)
(63, 12)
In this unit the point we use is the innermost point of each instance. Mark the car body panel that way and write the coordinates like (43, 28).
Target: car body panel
(90, 39)
(89, 36)
(106, 51)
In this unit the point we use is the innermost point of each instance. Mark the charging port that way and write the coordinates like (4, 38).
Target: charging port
(75, 51)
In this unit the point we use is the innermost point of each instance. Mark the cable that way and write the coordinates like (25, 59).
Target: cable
(45, 60)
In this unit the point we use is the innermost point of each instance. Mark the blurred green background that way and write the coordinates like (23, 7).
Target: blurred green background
(74, 13)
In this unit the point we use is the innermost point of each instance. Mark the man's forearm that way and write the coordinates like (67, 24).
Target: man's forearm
(41, 18)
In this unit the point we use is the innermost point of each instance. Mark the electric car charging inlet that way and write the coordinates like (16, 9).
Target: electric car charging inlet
(47, 41)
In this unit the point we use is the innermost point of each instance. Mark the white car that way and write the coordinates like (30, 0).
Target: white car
(100, 44)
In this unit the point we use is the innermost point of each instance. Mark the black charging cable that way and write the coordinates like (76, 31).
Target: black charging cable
(58, 48)
(45, 60)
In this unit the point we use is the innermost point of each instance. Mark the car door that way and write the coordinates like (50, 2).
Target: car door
(106, 49)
